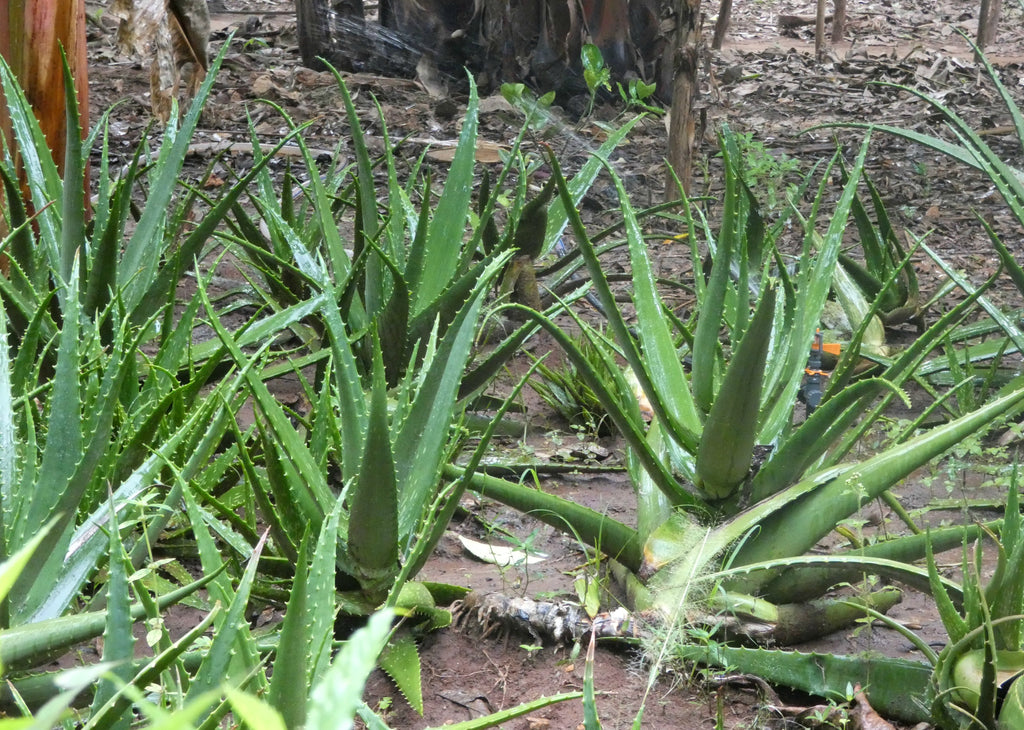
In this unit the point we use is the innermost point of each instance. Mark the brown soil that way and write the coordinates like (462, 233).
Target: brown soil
(763, 82)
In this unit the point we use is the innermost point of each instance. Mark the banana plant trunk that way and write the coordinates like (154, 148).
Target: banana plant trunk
(680, 71)
(32, 36)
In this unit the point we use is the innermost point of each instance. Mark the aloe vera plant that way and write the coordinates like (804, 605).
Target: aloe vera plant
(411, 260)
(708, 422)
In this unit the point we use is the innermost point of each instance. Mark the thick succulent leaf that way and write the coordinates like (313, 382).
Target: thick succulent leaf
(707, 357)
(561, 209)
(894, 686)
(288, 682)
(9, 471)
(628, 345)
(448, 227)
(232, 634)
(24, 647)
(671, 388)
(420, 444)
(1012, 712)
(615, 539)
(137, 267)
(148, 672)
(335, 699)
(373, 537)
(255, 714)
(789, 353)
(40, 170)
(75, 185)
(730, 431)
(820, 502)
(118, 641)
(814, 437)
(401, 660)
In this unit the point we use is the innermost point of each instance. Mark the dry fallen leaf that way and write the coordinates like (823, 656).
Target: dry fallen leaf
(500, 555)
(864, 716)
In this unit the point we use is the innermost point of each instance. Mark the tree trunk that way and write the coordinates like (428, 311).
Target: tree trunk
(988, 22)
(32, 35)
(682, 59)
(838, 20)
(819, 30)
(722, 24)
(314, 31)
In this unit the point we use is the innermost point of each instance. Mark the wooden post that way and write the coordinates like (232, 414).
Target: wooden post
(988, 22)
(819, 30)
(838, 20)
(722, 24)
(682, 55)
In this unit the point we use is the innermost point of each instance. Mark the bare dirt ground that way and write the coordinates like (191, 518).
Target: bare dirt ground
(762, 82)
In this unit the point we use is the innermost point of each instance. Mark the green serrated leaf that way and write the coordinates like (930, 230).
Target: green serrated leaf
(401, 661)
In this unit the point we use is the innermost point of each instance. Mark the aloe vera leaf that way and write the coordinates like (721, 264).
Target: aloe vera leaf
(373, 498)
(12, 567)
(818, 506)
(304, 648)
(143, 301)
(254, 713)
(1005, 590)
(135, 270)
(559, 214)
(145, 673)
(436, 522)
(73, 206)
(813, 437)
(446, 231)
(628, 426)
(26, 646)
(785, 372)
(795, 623)
(808, 620)
(118, 641)
(897, 371)
(894, 686)
(1005, 322)
(955, 625)
(730, 432)
(621, 332)
(289, 680)
(706, 348)
(972, 151)
(670, 386)
(65, 438)
(9, 471)
(233, 630)
(400, 659)
(305, 480)
(653, 506)
(423, 434)
(1012, 712)
(590, 718)
(240, 656)
(803, 581)
(334, 700)
(19, 245)
(612, 537)
(497, 718)
(854, 302)
(88, 543)
(40, 169)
